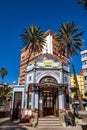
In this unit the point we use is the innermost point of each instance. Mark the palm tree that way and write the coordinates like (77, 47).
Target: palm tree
(3, 72)
(84, 3)
(69, 39)
(33, 39)
(5, 94)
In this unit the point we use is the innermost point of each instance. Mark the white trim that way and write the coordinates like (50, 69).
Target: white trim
(83, 52)
(48, 47)
(52, 74)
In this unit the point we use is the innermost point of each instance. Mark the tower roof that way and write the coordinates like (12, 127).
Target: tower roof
(46, 56)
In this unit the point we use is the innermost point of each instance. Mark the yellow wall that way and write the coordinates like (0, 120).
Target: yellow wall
(80, 80)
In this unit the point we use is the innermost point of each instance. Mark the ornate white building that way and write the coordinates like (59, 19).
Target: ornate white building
(47, 82)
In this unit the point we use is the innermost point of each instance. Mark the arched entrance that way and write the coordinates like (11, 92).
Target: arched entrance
(48, 97)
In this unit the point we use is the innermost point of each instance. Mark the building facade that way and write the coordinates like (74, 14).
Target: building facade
(84, 67)
(47, 83)
(44, 81)
(80, 80)
(51, 47)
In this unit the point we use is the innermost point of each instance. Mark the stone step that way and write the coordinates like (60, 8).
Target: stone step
(52, 119)
(49, 127)
(57, 128)
(49, 122)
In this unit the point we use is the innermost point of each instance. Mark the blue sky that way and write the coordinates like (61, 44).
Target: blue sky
(15, 15)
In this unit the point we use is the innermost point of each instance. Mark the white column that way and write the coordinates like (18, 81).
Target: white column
(61, 76)
(36, 100)
(22, 105)
(61, 101)
(25, 102)
(25, 96)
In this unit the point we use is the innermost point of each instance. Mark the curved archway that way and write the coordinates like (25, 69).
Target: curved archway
(48, 79)
(52, 74)
(49, 96)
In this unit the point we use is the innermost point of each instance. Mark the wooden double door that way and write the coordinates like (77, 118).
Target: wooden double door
(49, 100)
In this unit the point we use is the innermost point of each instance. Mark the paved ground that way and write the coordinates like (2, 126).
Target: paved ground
(5, 124)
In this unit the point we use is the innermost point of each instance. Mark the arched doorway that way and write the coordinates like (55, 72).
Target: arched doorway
(48, 97)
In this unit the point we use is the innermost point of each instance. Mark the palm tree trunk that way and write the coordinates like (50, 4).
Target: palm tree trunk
(78, 91)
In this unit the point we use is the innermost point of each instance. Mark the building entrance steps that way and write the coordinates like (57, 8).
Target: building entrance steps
(49, 122)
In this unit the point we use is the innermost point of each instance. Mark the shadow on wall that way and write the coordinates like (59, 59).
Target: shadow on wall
(84, 127)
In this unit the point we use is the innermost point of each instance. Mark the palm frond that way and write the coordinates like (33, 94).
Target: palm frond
(33, 38)
(70, 37)
(84, 3)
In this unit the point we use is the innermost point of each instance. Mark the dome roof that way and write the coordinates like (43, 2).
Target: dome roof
(46, 56)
